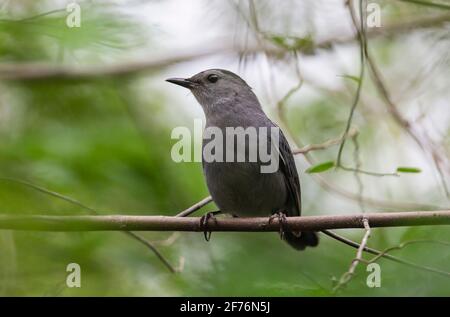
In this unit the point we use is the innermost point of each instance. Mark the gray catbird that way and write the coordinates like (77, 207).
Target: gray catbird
(240, 188)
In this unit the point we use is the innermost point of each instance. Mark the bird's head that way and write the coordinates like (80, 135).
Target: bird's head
(215, 86)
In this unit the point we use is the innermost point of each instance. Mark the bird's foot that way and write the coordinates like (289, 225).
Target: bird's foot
(281, 216)
(204, 223)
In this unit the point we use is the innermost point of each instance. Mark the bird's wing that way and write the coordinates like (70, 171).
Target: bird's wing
(288, 168)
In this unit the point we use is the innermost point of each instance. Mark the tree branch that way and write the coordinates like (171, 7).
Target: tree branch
(38, 71)
(260, 224)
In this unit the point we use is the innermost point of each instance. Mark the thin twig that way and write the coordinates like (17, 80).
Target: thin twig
(50, 192)
(149, 245)
(325, 145)
(195, 207)
(282, 102)
(362, 44)
(404, 244)
(380, 203)
(34, 17)
(357, 175)
(429, 4)
(92, 211)
(168, 241)
(346, 277)
(385, 255)
(361, 171)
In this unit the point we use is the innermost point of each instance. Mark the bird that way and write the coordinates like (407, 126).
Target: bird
(240, 188)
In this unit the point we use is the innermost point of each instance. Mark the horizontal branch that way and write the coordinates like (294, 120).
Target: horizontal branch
(262, 224)
(39, 71)
(32, 71)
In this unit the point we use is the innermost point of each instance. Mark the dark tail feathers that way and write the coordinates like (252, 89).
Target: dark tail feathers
(300, 241)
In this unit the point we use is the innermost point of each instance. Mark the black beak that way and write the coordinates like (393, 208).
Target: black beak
(182, 82)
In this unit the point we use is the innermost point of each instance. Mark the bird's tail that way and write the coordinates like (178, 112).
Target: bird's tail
(301, 240)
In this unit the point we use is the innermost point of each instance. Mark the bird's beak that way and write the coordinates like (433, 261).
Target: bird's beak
(189, 84)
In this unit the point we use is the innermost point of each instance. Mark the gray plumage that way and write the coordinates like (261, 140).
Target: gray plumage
(240, 188)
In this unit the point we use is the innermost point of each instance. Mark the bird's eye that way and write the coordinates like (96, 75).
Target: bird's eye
(213, 78)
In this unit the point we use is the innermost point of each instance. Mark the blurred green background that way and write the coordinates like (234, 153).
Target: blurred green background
(106, 143)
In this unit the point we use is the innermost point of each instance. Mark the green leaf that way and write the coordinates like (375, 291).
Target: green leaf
(304, 44)
(319, 168)
(351, 77)
(406, 169)
(278, 40)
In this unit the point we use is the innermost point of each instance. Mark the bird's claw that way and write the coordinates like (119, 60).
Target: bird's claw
(204, 223)
(281, 216)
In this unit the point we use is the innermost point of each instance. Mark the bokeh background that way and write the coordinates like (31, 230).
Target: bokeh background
(106, 141)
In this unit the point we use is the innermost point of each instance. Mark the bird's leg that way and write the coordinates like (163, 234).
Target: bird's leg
(204, 223)
(281, 216)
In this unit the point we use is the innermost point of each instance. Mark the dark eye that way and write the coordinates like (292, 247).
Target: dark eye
(213, 78)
